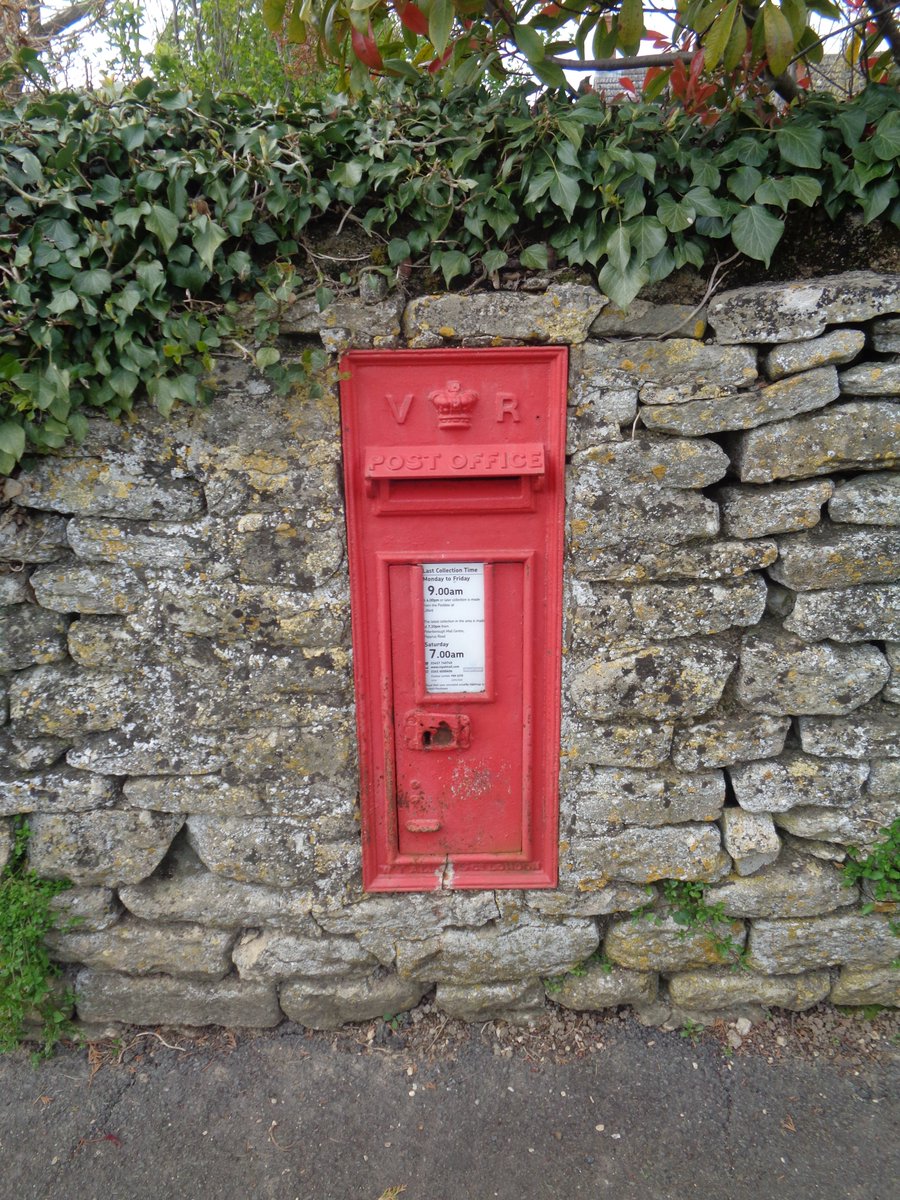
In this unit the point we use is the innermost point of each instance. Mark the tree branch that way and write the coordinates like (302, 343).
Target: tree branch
(620, 64)
(67, 17)
(888, 28)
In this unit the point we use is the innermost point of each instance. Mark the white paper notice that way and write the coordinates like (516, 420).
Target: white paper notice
(454, 627)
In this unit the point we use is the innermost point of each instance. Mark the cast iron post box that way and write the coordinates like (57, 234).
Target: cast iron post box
(454, 466)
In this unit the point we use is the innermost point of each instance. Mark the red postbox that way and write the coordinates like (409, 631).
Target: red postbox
(454, 472)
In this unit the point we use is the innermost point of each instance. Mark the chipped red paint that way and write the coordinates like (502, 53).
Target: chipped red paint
(454, 474)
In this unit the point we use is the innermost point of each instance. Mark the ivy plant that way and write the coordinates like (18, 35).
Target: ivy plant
(31, 1004)
(879, 869)
(142, 233)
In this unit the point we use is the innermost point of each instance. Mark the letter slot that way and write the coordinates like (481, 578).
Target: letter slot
(454, 517)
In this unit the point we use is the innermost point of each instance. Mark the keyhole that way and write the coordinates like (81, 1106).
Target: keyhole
(443, 735)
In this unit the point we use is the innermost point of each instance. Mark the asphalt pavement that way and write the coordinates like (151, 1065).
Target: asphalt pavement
(293, 1116)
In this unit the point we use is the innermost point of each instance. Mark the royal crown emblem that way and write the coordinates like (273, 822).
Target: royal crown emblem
(454, 405)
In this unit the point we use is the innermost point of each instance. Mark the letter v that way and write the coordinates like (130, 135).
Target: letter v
(399, 410)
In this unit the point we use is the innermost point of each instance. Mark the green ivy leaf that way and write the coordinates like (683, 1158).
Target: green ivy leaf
(800, 145)
(494, 260)
(743, 182)
(535, 257)
(453, 263)
(62, 302)
(623, 286)
(92, 283)
(268, 356)
(886, 139)
(12, 439)
(164, 224)
(756, 233)
(207, 237)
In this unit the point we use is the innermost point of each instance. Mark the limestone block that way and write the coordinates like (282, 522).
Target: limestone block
(278, 954)
(6, 842)
(230, 611)
(675, 679)
(788, 947)
(867, 612)
(650, 458)
(732, 737)
(141, 948)
(275, 851)
(779, 673)
(837, 347)
(750, 511)
(598, 407)
(607, 797)
(751, 840)
(797, 885)
(269, 480)
(825, 851)
(562, 315)
(500, 952)
(102, 848)
(867, 985)
(891, 691)
(643, 855)
(873, 732)
(886, 335)
(85, 909)
(857, 825)
(608, 744)
(377, 921)
(161, 545)
(14, 585)
(319, 1005)
(208, 795)
(834, 556)
(872, 379)
(706, 991)
(106, 641)
(303, 549)
(641, 565)
(18, 754)
(872, 499)
(587, 424)
(109, 486)
(659, 943)
(677, 361)
(103, 588)
(609, 613)
(604, 986)
(569, 901)
(515, 1003)
(151, 752)
(32, 537)
(603, 515)
(161, 1000)
(861, 435)
(29, 635)
(64, 790)
(366, 324)
(795, 779)
(643, 319)
(781, 312)
(884, 777)
(61, 701)
(202, 896)
(745, 410)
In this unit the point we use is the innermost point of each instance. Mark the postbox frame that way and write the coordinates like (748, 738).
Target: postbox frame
(385, 867)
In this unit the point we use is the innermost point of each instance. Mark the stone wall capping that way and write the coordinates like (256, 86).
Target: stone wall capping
(176, 693)
(786, 312)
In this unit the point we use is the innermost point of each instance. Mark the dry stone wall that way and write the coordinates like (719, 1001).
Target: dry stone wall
(177, 693)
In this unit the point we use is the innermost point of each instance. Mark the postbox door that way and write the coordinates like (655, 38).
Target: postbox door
(462, 780)
(454, 472)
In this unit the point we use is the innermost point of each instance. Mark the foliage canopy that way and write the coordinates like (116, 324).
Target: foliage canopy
(141, 233)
